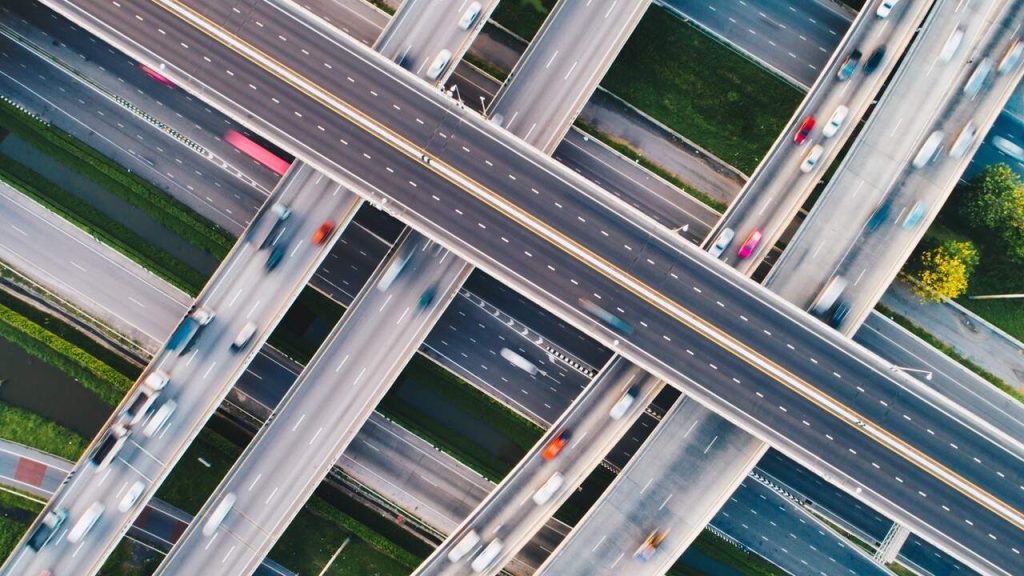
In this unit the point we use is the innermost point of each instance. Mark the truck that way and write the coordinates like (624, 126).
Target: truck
(109, 446)
(187, 330)
(47, 528)
(280, 213)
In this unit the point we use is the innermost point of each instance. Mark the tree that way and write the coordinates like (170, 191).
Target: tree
(994, 202)
(943, 271)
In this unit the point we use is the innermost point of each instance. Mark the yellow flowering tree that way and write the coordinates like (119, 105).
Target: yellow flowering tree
(944, 271)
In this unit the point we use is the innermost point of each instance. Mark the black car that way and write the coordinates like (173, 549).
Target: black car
(871, 64)
(838, 313)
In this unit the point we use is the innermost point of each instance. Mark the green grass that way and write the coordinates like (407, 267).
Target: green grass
(24, 427)
(191, 482)
(16, 513)
(383, 6)
(486, 66)
(702, 89)
(584, 497)
(423, 376)
(900, 569)
(629, 152)
(728, 556)
(308, 321)
(130, 558)
(108, 384)
(160, 206)
(317, 532)
(523, 17)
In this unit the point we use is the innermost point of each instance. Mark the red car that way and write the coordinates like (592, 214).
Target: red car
(750, 244)
(804, 131)
(323, 232)
(157, 76)
(556, 444)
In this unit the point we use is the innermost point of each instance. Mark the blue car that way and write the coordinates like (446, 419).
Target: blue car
(275, 257)
(915, 215)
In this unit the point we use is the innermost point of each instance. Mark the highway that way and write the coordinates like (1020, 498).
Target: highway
(795, 39)
(421, 29)
(880, 173)
(562, 67)
(697, 458)
(199, 380)
(283, 119)
(783, 180)
(513, 512)
(321, 413)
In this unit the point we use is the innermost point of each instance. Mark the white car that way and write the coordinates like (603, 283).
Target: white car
(85, 523)
(963, 141)
(439, 64)
(469, 16)
(624, 403)
(131, 496)
(978, 77)
(952, 43)
(159, 418)
(487, 557)
(1012, 57)
(885, 7)
(929, 150)
(465, 546)
(724, 239)
(219, 513)
(812, 157)
(518, 361)
(835, 122)
(548, 489)
(1009, 148)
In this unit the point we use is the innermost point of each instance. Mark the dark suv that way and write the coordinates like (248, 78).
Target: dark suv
(874, 60)
(849, 65)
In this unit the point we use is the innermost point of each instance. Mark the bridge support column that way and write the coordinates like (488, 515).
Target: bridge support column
(892, 543)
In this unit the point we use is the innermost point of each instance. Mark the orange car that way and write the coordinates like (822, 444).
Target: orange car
(323, 232)
(556, 444)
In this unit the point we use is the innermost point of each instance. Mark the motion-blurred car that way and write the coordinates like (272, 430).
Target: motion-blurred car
(885, 8)
(963, 141)
(1011, 149)
(952, 43)
(724, 239)
(439, 64)
(849, 65)
(275, 257)
(1012, 57)
(548, 489)
(131, 496)
(835, 122)
(605, 316)
(929, 150)
(915, 215)
(646, 550)
(469, 16)
(556, 444)
(978, 77)
(622, 406)
(811, 158)
(804, 131)
(323, 232)
(874, 61)
(750, 244)
(427, 298)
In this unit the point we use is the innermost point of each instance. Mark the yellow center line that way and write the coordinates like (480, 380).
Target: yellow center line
(525, 219)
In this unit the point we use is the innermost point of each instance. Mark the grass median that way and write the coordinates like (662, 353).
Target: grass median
(24, 427)
(523, 17)
(702, 89)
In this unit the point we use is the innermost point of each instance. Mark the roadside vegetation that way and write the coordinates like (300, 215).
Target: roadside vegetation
(24, 427)
(65, 348)
(199, 471)
(523, 17)
(702, 89)
(131, 558)
(306, 324)
(16, 513)
(459, 419)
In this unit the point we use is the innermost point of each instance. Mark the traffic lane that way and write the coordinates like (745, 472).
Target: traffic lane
(349, 264)
(675, 484)
(1008, 127)
(794, 38)
(507, 512)
(84, 264)
(208, 363)
(561, 68)
(774, 528)
(199, 117)
(322, 413)
(930, 558)
(949, 378)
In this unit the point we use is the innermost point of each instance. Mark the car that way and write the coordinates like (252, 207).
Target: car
(86, 522)
(1009, 148)
(323, 232)
(519, 361)
(439, 64)
(157, 76)
(469, 16)
(160, 417)
(840, 310)
(952, 43)
(828, 296)
(156, 380)
(548, 489)
(464, 547)
(487, 556)
(131, 496)
(1012, 57)
(963, 140)
(811, 158)
(880, 215)
(885, 7)
(929, 150)
(624, 403)
(835, 122)
(874, 61)
(915, 215)
(394, 270)
(243, 337)
(646, 550)
(275, 257)
(605, 316)
(805, 130)
(978, 77)
(849, 65)
(427, 298)
(51, 523)
(750, 244)
(113, 440)
(556, 444)
(721, 243)
(219, 513)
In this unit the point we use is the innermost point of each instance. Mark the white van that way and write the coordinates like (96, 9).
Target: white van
(159, 418)
(518, 361)
(243, 337)
(548, 489)
(85, 523)
(486, 558)
(218, 514)
(465, 546)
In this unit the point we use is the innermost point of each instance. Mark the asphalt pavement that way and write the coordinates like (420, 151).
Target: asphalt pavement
(433, 136)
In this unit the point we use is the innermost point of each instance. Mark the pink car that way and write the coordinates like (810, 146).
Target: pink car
(750, 244)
